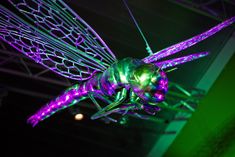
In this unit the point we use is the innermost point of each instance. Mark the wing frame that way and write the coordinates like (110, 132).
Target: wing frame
(52, 15)
(13, 29)
(188, 43)
(87, 60)
(180, 60)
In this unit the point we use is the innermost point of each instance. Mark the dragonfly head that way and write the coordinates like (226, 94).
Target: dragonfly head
(149, 83)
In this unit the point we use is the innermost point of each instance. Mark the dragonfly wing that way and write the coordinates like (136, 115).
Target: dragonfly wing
(181, 60)
(188, 43)
(58, 20)
(46, 50)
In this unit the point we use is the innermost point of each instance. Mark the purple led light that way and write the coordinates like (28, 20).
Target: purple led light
(159, 96)
(163, 84)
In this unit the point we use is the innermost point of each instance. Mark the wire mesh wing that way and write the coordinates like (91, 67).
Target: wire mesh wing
(44, 49)
(76, 49)
(188, 43)
(181, 60)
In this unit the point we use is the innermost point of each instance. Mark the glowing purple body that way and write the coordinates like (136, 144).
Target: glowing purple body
(105, 86)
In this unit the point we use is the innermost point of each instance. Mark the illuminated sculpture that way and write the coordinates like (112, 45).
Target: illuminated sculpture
(61, 41)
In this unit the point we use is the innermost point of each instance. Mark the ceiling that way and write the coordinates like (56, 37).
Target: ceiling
(26, 86)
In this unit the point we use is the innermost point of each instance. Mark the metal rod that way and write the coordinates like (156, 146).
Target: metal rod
(42, 72)
(14, 72)
(26, 66)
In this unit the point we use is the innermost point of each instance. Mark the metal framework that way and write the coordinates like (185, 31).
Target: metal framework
(17, 64)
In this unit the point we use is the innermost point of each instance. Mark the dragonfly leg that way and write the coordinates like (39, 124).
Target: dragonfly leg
(129, 110)
(135, 114)
(139, 116)
(94, 101)
(135, 104)
(134, 99)
(111, 108)
(99, 107)
(150, 109)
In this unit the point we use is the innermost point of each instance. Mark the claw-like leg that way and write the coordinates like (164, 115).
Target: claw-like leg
(111, 108)
(99, 107)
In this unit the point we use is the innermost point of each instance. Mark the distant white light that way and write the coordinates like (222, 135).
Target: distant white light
(79, 116)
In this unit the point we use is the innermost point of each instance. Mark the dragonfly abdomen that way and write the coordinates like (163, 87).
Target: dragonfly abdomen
(70, 97)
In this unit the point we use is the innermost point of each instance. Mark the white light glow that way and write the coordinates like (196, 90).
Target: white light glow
(79, 116)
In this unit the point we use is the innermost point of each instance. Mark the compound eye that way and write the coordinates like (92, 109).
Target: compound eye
(163, 84)
(160, 96)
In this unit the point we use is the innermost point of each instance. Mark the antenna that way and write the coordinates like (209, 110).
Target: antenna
(149, 50)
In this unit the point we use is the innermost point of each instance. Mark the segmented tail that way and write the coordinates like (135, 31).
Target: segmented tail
(70, 97)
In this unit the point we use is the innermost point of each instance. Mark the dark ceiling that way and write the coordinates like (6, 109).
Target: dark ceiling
(163, 22)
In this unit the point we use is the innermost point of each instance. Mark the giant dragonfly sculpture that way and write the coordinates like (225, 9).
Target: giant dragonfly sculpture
(63, 42)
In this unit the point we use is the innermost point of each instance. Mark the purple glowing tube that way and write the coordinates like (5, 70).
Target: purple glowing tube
(181, 60)
(67, 99)
(187, 43)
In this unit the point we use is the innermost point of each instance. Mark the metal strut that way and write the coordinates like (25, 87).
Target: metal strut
(149, 50)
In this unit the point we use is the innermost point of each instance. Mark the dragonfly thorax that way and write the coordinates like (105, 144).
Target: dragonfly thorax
(149, 83)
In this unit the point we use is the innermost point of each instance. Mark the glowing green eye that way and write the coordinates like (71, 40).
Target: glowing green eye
(123, 78)
(143, 77)
(153, 79)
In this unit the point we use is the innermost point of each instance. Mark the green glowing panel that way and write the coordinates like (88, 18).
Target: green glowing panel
(210, 131)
